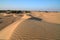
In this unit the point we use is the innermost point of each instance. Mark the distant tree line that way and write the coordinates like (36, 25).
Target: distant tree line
(27, 12)
(18, 12)
(13, 11)
(2, 11)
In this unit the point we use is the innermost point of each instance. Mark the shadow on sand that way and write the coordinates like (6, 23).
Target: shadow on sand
(35, 18)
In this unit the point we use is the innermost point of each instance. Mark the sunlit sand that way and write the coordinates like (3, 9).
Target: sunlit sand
(6, 33)
(53, 18)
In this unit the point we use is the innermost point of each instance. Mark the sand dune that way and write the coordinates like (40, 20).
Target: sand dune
(6, 33)
(36, 30)
(51, 17)
(49, 27)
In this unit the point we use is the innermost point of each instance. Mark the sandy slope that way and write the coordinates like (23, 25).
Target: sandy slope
(5, 21)
(48, 17)
(36, 30)
(6, 33)
(51, 17)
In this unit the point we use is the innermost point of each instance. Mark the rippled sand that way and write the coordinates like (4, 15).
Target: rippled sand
(48, 29)
(36, 30)
(51, 17)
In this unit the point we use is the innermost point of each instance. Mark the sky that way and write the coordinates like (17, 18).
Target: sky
(50, 5)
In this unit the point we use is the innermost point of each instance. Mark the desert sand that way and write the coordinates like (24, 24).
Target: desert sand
(6, 32)
(53, 18)
(38, 30)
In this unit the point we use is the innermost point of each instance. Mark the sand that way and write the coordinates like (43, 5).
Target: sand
(36, 30)
(51, 17)
(47, 17)
(6, 33)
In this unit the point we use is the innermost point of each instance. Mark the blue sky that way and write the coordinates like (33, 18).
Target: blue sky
(50, 5)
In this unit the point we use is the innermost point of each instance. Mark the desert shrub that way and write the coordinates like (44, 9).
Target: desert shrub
(27, 12)
(13, 11)
(46, 11)
(18, 12)
(2, 11)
